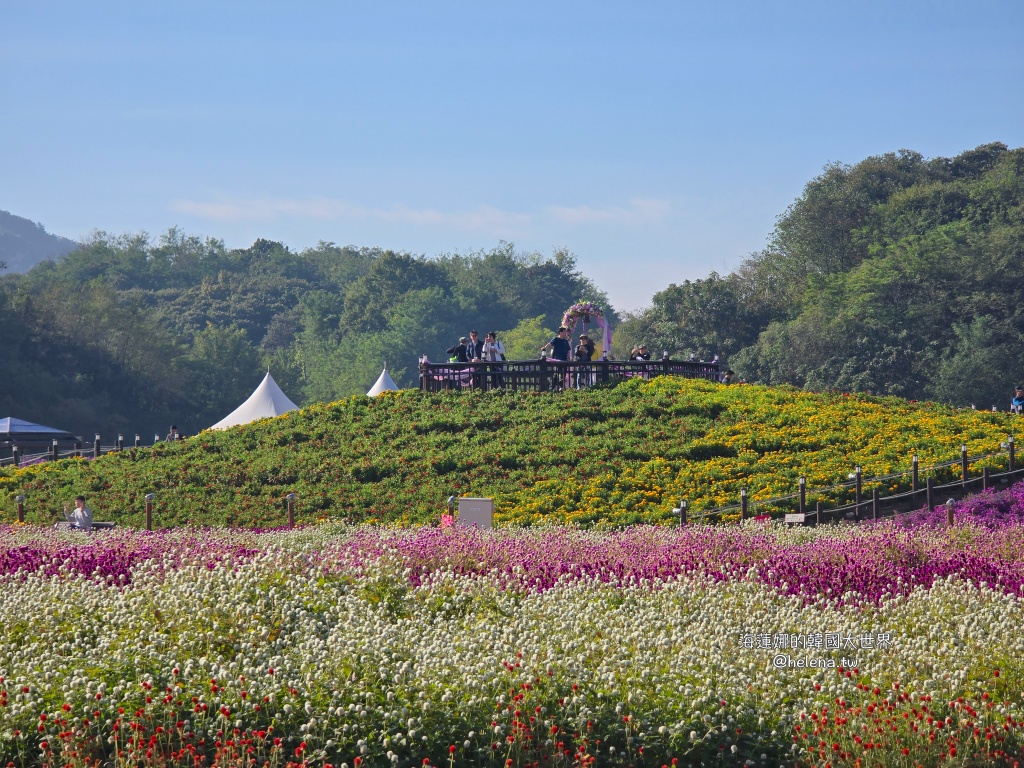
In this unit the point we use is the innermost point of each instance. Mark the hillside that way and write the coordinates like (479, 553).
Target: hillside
(598, 457)
(24, 243)
(896, 275)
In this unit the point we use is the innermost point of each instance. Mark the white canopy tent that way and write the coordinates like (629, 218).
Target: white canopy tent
(267, 401)
(384, 384)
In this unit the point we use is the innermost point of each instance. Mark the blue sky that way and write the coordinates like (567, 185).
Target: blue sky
(657, 141)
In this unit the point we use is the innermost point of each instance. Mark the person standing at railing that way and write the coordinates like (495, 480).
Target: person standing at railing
(494, 353)
(584, 353)
(81, 518)
(460, 352)
(559, 345)
(1017, 404)
(173, 434)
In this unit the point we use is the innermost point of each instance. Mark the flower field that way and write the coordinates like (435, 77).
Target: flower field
(888, 644)
(603, 457)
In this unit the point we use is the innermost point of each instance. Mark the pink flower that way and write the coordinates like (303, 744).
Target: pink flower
(447, 521)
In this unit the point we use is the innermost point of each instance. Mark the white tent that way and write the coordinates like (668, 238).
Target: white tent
(384, 384)
(268, 400)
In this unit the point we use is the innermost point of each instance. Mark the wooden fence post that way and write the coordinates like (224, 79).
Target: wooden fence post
(21, 508)
(290, 505)
(149, 511)
(803, 495)
(743, 504)
(860, 492)
(874, 503)
(985, 479)
(963, 465)
(929, 493)
(818, 509)
(1009, 448)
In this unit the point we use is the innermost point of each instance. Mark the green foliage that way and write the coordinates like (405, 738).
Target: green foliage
(897, 275)
(599, 457)
(127, 334)
(525, 340)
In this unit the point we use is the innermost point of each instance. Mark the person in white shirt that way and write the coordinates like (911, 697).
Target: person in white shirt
(494, 352)
(81, 518)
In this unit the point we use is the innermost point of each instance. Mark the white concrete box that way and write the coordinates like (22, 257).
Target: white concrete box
(477, 513)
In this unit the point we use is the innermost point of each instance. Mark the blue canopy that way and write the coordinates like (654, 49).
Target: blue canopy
(15, 429)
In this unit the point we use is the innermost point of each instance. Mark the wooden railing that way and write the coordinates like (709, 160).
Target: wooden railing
(25, 455)
(860, 497)
(554, 375)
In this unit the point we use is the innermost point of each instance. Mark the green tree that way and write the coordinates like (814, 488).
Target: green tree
(525, 340)
(223, 370)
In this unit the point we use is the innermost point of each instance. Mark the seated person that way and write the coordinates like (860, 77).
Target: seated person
(81, 518)
(1017, 404)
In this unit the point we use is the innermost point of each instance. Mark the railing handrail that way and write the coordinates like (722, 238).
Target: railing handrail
(867, 483)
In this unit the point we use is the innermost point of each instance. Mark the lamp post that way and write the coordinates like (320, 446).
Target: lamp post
(950, 505)
(96, 446)
(681, 512)
(21, 508)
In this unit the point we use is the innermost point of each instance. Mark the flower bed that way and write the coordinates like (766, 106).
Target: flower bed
(893, 644)
(600, 457)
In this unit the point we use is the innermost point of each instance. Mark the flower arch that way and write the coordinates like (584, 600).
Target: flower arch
(586, 312)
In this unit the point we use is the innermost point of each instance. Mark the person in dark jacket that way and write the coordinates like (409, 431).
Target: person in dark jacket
(460, 352)
(475, 347)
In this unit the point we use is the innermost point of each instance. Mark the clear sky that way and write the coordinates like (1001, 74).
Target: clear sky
(657, 141)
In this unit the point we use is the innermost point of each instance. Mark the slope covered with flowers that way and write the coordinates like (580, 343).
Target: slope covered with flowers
(891, 644)
(598, 457)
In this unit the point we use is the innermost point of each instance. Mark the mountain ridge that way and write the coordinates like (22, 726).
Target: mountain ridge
(25, 243)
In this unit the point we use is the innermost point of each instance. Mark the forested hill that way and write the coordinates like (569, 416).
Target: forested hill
(128, 334)
(24, 243)
(898, 275)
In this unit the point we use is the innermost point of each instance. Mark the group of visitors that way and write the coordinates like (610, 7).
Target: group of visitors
(472, 350)
(561, 347)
